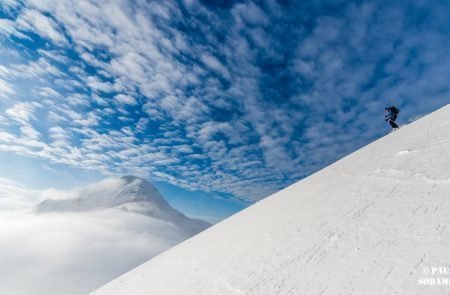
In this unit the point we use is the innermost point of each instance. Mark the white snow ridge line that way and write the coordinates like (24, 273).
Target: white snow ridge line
(343, 230)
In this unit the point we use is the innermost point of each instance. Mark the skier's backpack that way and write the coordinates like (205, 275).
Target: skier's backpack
(394, 110)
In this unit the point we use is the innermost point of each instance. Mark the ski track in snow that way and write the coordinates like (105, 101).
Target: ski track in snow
(368, 224)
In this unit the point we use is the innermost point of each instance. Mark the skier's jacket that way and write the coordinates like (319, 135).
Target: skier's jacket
(391, 114)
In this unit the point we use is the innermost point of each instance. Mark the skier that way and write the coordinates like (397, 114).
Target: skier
(390, 114)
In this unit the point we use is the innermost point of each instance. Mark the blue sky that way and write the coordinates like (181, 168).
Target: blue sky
(219, 103)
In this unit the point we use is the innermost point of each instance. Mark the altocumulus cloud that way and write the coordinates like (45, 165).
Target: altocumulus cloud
(73, 253)
(239, 97)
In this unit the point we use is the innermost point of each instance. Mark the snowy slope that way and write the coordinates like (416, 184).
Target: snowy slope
(129, 193)
(369, 224)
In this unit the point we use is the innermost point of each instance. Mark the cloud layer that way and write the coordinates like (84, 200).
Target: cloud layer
(241, 98)
(74, 253)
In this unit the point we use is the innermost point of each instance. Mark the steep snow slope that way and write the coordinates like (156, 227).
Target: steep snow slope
(372, 223)
(128, 193)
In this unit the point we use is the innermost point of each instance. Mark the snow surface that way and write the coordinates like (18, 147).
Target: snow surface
(372, 223)
(129, 193)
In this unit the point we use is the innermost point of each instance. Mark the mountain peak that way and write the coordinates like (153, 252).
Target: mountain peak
(132, 178)
(129, 193)
(114, 192)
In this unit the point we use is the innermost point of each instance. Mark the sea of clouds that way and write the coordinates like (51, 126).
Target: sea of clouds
(71, 253)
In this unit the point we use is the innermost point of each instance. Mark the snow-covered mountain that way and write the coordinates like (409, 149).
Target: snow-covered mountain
(375, 222)
(128, 193)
